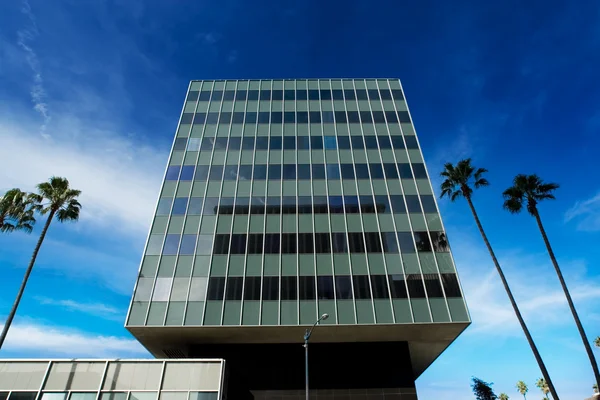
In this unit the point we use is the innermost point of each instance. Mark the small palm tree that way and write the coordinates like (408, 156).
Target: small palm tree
(597, 342)
(503, 396)
(457, 183)
(543, 386)
(56, 199)
(528, 191)
(16, 211)
(522, 388)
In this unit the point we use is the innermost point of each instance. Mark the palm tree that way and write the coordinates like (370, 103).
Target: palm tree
(528, 191)
(16, 211)
(595, 387)
(597, 342)
(457, 183)
(56, 199)
(543, 386)
(503, 396)
(522, 388)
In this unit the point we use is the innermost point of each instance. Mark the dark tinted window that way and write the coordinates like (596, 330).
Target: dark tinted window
(212, 117)
(241, 95)
(313, 94)
(179, 144)
(316, 142)
(361, 94)
(231, 173)
(351, 204)
(366, 117)
(195, 206)
(289, 288)
(270, 288)
(288, 243)
(248, 143)
(199, 118)
(382, 204)
(406, 242)
(277, 94)
(391, 117)
(301, 94)
(367, 204)
(356, 242)
(379, 287)
(173, 173)
(315, 117)
(376, 171)
(433, 285)
(289, 143)
(327, 117)
(257, 205)
(340, 244)
(397, 203)
(451, 287)
(378, 117)
(245, 172)
(192, 95)
(290, 94)
(322, 243)
(242, 205)
(234, 288)
(217, 95)
(235, 143)
(304, 205)
(171, 244)
(252, 94)
(260, 172)
(204, 96)
(307, 288)
(255, 243)
(347, 171)
(274, 205)
(390, 171)
(318, 171)
(397, 93)
(289, 117)
(349, 94)
(340, 117)
(398, 287)
(263, 117)
(372, 242)
(252, 288)
(262, 143)
(225, 117)
(371, 142)
(336, 205)
(272, 243)
(343, 142)
(216, 173)
(276, 142)
(325, 287)
(440, 243)
(303, 171)
(216, 287)
(397, 142)
(201, 172)
(186, 118)
(403, 116)
(187, 173)
(385, 94)
(305, 243)
(412, 202)
(361, 285)
(419, 170)
(428, 204)
(220, 143)
(274, 172)
(333, 171)
(337, 94)
(302, 117)
(343, 287)
(405, 171)
(221, 245)
(353, 117)
(384, 142)
(288, 205)
(276, 117)
(389, 242)
(179, 205)
(422, 241)
(373, 94)
(210, 205)
(415, 286)
(303, 142)
(362, 171)
(226, 205)
(320, 204)
(289, 171)
(251, 117)
(325, 94)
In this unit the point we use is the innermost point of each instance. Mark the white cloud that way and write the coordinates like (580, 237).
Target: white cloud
(587, 213)
(119, 177)
(51, 341)
(97, 309)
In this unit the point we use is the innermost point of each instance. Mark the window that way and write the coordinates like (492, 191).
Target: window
(226, 206)
(212, 118)
(195, 206)
(422, 241)
(171, 244)
(378, 117)
(289, 288)
(199, 118)
(361, 285)
(252, 288)
(337, 94)
(289, 143)
(164, 206)
(238, 243)
(397, 142)
(241, 95)
(251, 117)
(415, 286)
(428, 204)
(316, 142)
(361, 94)
(179, 144)
(276, 117)
(231, 173)
(440, 243)
(270, 288)
(263, 117)
(433, 285)
(413, 204)
(405, 172)
(373, 94)
(384, 142)
(188, 242)
(376, 171)
(201, 173)
(356, 242)
(225, 118)
(320, 204)
(265, 95)
(302, 117)
(353, 117)
(187, 173)
(362, 171)
(205, 244)
(305, 243)
(210, 206)
(229, 95)
(217, 95)
(289, 117)
(235, 143)
(216, 287)
(404, 117)
(379, 287)
(349, 94)
(288, 205)
(327, 117)
(382, 204)
(173, 173)
(313, 95)
(204, 96)
(357, 142)
(389, 242)
(273, 205)
(325, 94)
(398, 287)
(304, 205)
(234, 288)
(194, 144)
(276, 142)
(248, 143)
(366, 117)
(451, 286)
(367, 205)
(397, 93)
(315, 117)
(303, 142)
(333, 171)
(390, 171)
(289, 171)
(322, 243)
(274, 172)
(262, 143)
(272, 243)
(391, 117)
(343, 287)
(303, 171)
(242, 205)
(216, 173)
(207, 144)
(406, 242)
(192, 95)
(351, 204)
(340, 117)
(257, 204)
(307, 288)
(221, 245)
(179, 205)
(245, 172)
(419, 170)
(289, 95)
(255, 243)
(411, 142)
(260, 172)
(252, 94)
(347, 171)
(325, 288)
(318, 171)
(343, 142)
(288, 243)
(220, 143)
(329, 142)
(373, 243)
(371, 142)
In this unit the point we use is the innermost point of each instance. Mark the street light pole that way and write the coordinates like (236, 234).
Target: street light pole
(306, 337)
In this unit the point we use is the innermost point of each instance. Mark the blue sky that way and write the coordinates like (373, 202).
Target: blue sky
(92, 90)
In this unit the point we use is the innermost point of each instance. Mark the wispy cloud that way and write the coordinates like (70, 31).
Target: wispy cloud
(52, 341)
(38, 95)
(587, 213)
(96, 309)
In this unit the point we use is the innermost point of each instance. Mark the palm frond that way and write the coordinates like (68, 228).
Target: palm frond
(513, 205)
(481, 182)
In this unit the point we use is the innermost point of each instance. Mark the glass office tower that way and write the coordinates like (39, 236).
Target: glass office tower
(284, 200)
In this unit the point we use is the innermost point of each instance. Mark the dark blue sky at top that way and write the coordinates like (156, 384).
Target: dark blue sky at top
(514, 84)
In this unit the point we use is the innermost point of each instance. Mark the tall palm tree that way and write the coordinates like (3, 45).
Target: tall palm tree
(528, 191)
(543, 386)
(503, 396)
(16, 211)
(457, 183)
(56, 199)
(522, 388)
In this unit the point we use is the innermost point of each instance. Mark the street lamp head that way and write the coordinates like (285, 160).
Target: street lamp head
(324, 317)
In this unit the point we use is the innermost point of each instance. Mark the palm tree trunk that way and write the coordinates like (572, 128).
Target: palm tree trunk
(13, 311)
(586, 343)
(536, 353)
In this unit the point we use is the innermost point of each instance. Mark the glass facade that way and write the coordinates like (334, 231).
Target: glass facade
(111, 380)
(286, 199)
